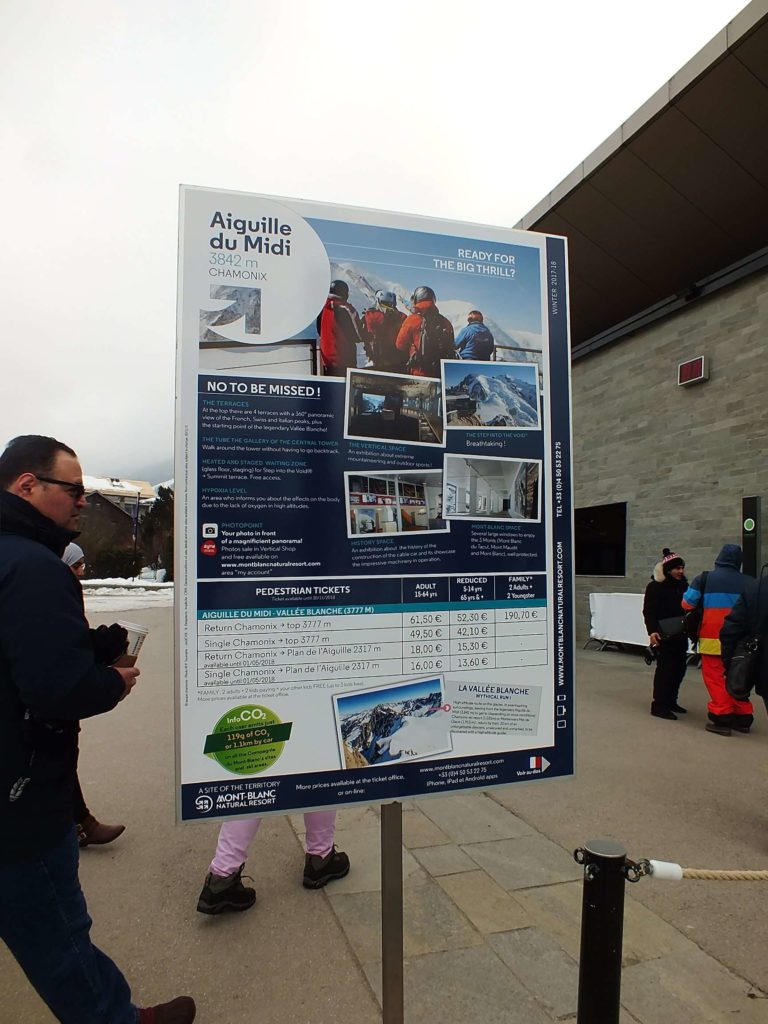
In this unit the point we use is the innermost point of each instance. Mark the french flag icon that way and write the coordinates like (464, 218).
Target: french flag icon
(539, 762)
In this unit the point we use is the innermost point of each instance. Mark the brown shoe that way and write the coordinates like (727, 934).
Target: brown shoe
(92, 833)
(180, 1010)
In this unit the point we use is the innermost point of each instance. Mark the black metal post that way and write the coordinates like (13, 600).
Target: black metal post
(602, 924)
(136, 536)
(751, 528)
(392, 913)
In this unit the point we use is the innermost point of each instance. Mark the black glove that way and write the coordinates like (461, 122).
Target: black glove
(109, 643)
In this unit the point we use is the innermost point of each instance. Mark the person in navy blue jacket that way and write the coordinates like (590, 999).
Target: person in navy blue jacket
(49, 679)
(475, 341)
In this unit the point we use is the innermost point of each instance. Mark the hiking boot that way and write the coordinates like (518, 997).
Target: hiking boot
(225, 892)
(320, 870)
(92, 833)
(663, 713)
(741, 723)
(718, 729)
(180, 1010)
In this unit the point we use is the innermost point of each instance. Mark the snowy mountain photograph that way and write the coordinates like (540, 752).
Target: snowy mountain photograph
(491, 395)
(392, 723)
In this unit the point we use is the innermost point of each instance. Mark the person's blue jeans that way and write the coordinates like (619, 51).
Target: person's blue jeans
(44, 922)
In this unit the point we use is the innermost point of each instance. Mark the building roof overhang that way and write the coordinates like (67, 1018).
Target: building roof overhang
(675, 195)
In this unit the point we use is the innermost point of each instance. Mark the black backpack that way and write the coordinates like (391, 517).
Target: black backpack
(435, 344)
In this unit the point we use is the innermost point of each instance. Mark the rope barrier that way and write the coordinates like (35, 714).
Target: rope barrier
(726, 876)
(667, 871)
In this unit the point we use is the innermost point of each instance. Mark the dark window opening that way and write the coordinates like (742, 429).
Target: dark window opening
(601, 540)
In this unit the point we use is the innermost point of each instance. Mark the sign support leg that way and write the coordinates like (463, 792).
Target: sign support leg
(392, 912)
(602, 931)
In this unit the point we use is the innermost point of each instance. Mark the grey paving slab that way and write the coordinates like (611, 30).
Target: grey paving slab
(548, 973)
(466, 986)
(346, 818)
(419, 830)
(486, 904)
(528, 861)
(443, 860)
(363, 845)
(690, 988)
(431, 922)
(624, 1018)
(473, 818)
(557, 910)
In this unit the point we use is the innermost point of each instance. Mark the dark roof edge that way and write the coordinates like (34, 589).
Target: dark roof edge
(109, 501)
(734, 32)
(753, 264)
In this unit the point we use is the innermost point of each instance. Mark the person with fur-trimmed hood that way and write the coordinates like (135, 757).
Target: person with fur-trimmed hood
(663, 600)
(717, 595)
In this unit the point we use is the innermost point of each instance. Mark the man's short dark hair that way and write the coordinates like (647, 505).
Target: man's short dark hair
(30, 453)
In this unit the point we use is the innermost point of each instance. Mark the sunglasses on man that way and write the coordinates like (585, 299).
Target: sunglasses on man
(76, 490)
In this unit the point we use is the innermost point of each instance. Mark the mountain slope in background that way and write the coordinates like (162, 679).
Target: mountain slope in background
(501, 401)
(375, 734)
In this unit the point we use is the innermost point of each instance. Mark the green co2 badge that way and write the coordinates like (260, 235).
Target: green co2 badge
(247, 740)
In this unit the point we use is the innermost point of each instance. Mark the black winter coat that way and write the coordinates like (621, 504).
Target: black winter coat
(745, 621)
(49, 680)
(663, 600)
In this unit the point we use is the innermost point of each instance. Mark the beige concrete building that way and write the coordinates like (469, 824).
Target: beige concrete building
(667, 224)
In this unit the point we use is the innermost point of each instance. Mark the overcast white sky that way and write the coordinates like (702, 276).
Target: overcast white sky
(472, 111)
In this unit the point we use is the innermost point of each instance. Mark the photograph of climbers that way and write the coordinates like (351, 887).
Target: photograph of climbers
(404, 301)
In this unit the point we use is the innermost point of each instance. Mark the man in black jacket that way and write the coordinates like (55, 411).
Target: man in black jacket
(49, 679)
(663, 601)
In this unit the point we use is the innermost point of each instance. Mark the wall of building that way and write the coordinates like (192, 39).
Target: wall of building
(682, 458)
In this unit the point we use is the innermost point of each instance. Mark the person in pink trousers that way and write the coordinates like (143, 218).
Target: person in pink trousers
(224, 889)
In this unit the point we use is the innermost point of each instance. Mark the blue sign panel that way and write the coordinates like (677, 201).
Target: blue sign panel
(374, 507)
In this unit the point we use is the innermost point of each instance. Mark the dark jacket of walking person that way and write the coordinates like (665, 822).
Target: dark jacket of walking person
(749, 618)
(724, 586)
(339, 329)
(49, 679)
(663, 600)
(475, 341)
(108, 644)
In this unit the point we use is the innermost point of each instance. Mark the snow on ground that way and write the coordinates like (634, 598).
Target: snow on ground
(119, 595)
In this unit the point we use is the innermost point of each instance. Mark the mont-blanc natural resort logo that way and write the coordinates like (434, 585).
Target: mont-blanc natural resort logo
(247, 740)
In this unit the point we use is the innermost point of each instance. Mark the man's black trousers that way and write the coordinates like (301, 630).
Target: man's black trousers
(670, 669)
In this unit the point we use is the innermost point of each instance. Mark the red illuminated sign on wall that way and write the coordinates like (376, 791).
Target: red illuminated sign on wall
(693, 371)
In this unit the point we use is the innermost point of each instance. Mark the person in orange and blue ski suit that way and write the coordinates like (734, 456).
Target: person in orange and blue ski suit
(724, 586)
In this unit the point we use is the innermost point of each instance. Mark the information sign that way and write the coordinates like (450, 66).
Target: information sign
(373, 492)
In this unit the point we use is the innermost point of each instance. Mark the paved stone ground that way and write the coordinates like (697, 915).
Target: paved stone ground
(492, 922)
(492, 894)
